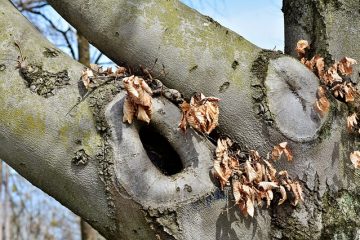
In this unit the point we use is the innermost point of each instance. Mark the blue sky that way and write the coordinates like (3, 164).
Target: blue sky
(259, 21)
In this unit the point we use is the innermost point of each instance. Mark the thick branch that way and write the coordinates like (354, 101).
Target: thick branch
(36, 138)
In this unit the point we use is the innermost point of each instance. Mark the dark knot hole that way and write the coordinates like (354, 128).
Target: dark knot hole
(160, 151)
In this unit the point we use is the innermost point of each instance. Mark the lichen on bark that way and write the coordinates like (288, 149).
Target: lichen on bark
(43, 82)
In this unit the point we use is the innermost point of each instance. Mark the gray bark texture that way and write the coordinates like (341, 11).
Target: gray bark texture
(97, 166)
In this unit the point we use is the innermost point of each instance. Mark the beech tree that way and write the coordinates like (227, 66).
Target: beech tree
(103, 169)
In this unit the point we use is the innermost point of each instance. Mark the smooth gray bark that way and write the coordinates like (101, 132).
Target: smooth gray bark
(130, 198)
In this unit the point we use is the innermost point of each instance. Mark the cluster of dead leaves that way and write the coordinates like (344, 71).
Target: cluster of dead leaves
(89, 75)
(254, 179)
(202, 113)
(332, 78)
(336, 80)
(138, 102)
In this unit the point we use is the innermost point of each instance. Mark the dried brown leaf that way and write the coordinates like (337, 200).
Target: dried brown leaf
(250, 171)
(331, 75)
(268, 185)
(271, 170)
(139, 96)
(283, 195)
(345, 65)
(355, 159)
(288, 153)
(236, 187)
(350, 92)
(142, 114)
(279, 149)
(250, 207)
(254, 155)
(351, 122)
(120, 71)
(276, 153)
(129, 86)
(128, 111)
(320, 65)
(284, 173)
(322, 106)
(259, 172)
(223, 164)
(85, 77)
(202, 113)
(269, 197)
(301, 46)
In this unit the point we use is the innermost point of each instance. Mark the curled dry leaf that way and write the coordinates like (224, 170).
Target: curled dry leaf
(254, 155)
(250, 171)
(269, 196)
(138, 101)
(284, 173)
(322, 104)
(345, 65)
(236, 187)
(351, 122)
(316, 64)
(86, 76)
(271, 171)
(350, 92)
(268, 185)
(320, 65)
(120, 71)
(345, 91)
(260, 171)
(250, 206)
(223, 164)
(331, 76)
(129, 111)
(143, 114)
(301, 46)
(283, 195)
(201, 114)
(355, 158)
(279, 149)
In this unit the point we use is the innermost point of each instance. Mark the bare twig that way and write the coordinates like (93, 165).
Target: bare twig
(62, 32)
(98, 58)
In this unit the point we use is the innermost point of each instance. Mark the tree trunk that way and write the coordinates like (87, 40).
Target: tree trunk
(83, 49)
(87, 232)
(266, 97)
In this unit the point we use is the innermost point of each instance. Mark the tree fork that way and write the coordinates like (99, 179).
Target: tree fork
(188, 45)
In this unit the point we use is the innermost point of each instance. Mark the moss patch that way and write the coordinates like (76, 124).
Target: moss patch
(341, 211)
(51, 52)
